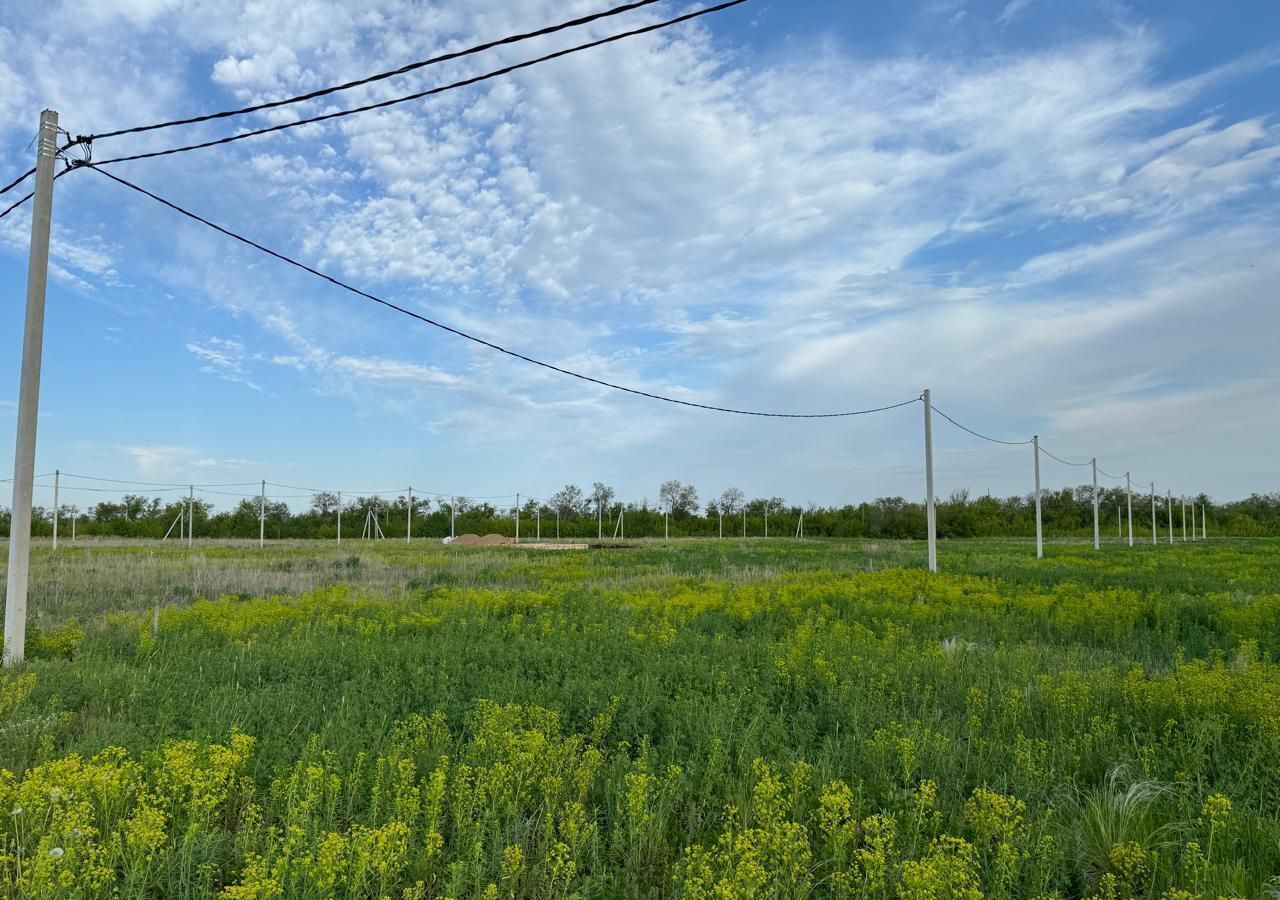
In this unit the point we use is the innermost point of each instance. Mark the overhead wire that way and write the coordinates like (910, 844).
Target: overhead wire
(17, 181)
(476, 79)
(173, 484)
(1061, 460)
(977, 433)
(23, 200)
(481, 341)
(380, 76)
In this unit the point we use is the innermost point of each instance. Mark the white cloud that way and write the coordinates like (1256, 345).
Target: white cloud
(224, 359)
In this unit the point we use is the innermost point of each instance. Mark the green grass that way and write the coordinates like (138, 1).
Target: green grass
(701, 719)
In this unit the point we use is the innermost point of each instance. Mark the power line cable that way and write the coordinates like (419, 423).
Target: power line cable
(173, 484)
(1061, 460)
(17, 181)
(505, 70)
(979, 434)
(481, 341)
(333, 89)
(18, 203)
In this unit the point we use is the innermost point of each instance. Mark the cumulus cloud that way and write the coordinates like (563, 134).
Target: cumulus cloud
(818, 227)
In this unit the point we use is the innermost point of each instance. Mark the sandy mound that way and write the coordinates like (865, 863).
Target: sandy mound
(474, 540)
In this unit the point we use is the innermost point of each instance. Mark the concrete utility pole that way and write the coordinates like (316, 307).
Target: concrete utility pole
(262, 516)
(930, 520)
(599, 521)
(1204, 524)
(24, 454)
(1035, 443)
(1128, 489)
(517, 518)
(1155, 537)
(191, 518)
(453, 518)
(339, 517)
(1184, 520)
(1097, 538)
(408, 525)
(1194, 533)
(56, 475)
(1169, 512)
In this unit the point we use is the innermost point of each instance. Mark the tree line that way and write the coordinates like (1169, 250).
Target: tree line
(573, 512)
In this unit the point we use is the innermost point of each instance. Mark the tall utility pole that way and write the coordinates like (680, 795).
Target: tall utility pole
(1184, 520)
(1169, 511)
(408, 525)
(1155, 538)
(339, 517)
(1035, 443)
(24, 454)
(57, 474)
(262, 516)
(1194, 533)
(1204, 524)
(1128, 489)
(930, 520)
(517, 518)
(191, 515)
(1097, 538)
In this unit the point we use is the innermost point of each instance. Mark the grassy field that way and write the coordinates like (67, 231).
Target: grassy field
(708, 719)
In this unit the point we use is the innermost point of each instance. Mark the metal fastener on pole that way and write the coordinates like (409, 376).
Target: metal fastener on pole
(930, 520)
(1035, 442)
(24, 455)
(1097, 537)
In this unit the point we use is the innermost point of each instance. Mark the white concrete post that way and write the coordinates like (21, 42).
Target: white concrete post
(1097, 537)
(1128, 489)
(1168, 499)
(930, 520)
(1035, 442)
(599, 521)
(75, 514)
(537, 517)
(1155, 540)
(24, 454)
(56, 474)
(191, 515)
(1204, 524)
(1184, 520)
(517, 518)
(339, 517)
(262, 516)
(408, 525)
(722, 524)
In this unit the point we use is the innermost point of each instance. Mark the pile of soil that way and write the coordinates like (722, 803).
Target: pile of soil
(474, 540)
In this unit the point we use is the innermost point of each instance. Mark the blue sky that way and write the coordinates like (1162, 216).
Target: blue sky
(1062, 218)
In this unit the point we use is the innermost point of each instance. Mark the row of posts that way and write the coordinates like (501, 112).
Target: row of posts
(931, 511)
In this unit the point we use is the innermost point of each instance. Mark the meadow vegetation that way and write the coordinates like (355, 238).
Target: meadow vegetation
(706, 719)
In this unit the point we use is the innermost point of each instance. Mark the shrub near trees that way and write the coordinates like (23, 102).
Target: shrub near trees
(1067, 512)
